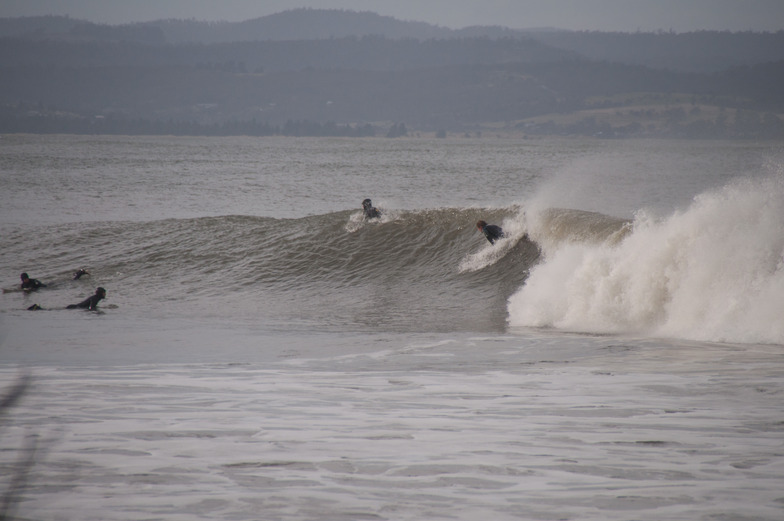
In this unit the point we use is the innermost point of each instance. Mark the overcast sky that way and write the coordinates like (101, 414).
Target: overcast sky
(602, 15)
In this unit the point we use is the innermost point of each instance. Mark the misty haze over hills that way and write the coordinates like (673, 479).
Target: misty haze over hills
(297, 24)
(311, 71)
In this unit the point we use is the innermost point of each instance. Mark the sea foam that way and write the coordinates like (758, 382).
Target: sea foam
(712, 272)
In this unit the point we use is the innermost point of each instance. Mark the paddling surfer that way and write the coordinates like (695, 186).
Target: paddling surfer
(370, 211)
(29, 284)
(91, 302)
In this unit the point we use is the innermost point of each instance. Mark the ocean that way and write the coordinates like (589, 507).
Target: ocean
(265, 353)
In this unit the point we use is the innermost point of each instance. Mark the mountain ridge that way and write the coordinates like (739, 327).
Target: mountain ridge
(67, 75)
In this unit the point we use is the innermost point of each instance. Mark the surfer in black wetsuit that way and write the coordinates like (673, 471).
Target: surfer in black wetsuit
(91, 302)
(29, 284)
(80, 273)
(370, 211)
(491, 231)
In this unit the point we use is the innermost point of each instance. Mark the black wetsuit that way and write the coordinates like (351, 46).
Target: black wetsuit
(32, 284)
(370, 211)
(89, 303)
(492, 232)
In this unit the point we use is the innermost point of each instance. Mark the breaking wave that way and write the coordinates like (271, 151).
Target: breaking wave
(712, 272)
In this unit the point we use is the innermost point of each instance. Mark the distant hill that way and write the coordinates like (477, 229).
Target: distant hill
(298, 24)
(37, 27)
(63, 28)
(311, 70)
(700, 51)
(365, 53)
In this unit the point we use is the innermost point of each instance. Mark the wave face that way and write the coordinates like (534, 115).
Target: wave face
(400, 273)
(713, 272)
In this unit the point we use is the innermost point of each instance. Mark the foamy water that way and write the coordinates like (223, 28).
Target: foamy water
(555, 428)
(714, 272)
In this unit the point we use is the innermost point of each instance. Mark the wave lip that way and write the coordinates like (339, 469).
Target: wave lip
(713, 272)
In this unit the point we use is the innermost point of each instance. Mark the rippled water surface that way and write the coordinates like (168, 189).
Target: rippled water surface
(265, 353)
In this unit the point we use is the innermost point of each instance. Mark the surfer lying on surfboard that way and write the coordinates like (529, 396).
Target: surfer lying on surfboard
(89, 303)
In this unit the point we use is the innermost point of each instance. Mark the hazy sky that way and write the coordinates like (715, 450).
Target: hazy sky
(603, 15)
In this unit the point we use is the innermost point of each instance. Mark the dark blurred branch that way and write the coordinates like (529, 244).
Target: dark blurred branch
(19, 479)
(21, 471)
(15, 393)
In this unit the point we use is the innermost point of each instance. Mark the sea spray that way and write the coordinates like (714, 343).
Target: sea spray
(712, 272)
